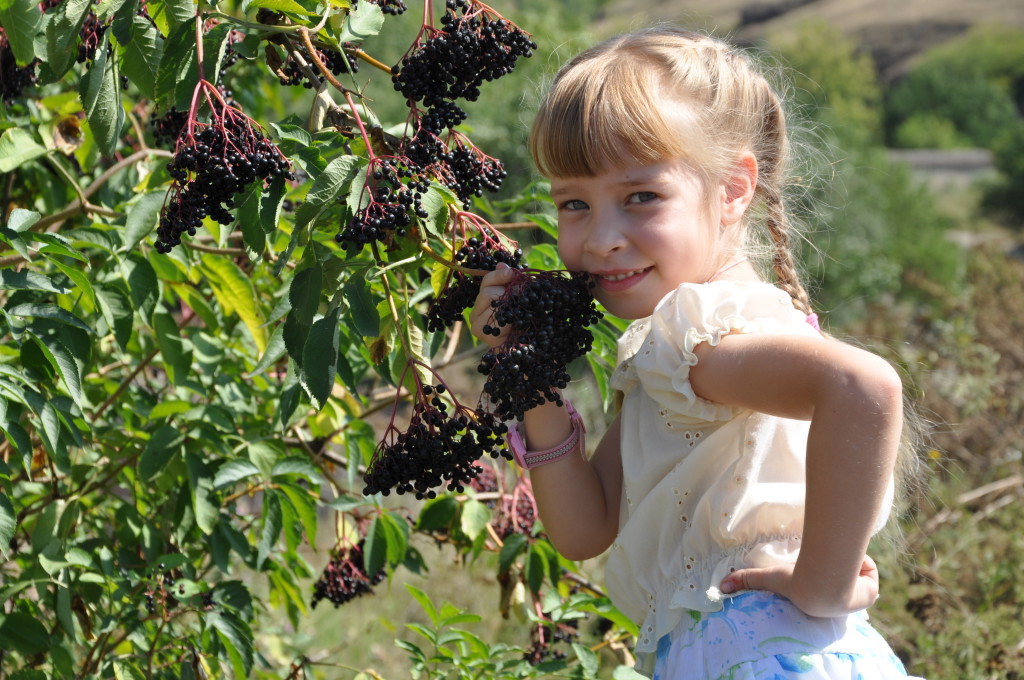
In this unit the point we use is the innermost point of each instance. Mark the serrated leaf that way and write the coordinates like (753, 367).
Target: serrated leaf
(17, 147)
(275, 350)
(237, 295)
(270, 529)
(237, 639)
(49, 311)
(63, 363)
(234, 471)
(20, 20)
(201, 484)
(327, 186)
(62, 34)
(510, 550)
(8, 525)
(304, 292)
(437, 513)
(320, 359)
(21, 219)
(78, 277)
(587, 658)
(143, 215)
(140, 58)
(365, 22)
(437, 211)
(362, 311)
(28, 280)
(164, 445)
(304, 507)
(263, 455)
(177, 77)
(101, 99)
(474, 518)
(170, 15)
(282, 6)
(175, 350)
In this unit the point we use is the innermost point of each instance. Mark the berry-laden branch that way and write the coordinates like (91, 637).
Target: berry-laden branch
(440, 446)
(213, 162)
(549, 312)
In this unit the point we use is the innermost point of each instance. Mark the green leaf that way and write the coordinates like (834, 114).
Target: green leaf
(304, 292)
(8, 525)
(474, 518)
(237, 639)
(327, 186)
(178, 76)
(362, 311)
(142, 284)
(320, 359)
(62, 33)
(275, 350)
(437, 513)
(20, 20)
(164, 445)
(428, 607)
(263, 455)
(24, 633)
(49, 311)
(175, 350)
(375, 546)
(116, 308)
(28, 280)
(535, 567)
(234, 471)
(271, 527)
(21, 220)
(78, 277)
(201, 484)
(282, 6)
(588, 659)
(305, 507)
(437, 211)
(140, 58)
(101, 98)
(363, 23)
(170, 15)
(63, 363)
(143, 216)
(17, 147)
(514, 545)
(236, 294)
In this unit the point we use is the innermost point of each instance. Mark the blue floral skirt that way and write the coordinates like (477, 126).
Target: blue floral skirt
(762, 636)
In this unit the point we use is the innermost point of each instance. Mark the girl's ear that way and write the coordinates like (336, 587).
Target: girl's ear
(738, 188)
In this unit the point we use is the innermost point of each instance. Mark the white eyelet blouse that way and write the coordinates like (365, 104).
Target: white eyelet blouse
(707, 488)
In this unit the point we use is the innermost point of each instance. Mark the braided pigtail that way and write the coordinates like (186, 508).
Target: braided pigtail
(772, 151)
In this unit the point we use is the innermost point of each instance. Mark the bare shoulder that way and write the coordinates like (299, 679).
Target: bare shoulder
(790, 375)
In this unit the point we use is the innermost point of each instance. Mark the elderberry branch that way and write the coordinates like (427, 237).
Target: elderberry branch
(326, 72)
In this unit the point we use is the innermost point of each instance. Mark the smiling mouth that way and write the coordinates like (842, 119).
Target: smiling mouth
(621, 277)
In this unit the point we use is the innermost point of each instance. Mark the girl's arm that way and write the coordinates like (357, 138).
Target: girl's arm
(578, 499)
(854, 402)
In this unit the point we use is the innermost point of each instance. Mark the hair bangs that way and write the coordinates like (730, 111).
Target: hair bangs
(604, 113)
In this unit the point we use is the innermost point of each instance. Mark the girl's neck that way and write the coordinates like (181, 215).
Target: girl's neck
(726, 268)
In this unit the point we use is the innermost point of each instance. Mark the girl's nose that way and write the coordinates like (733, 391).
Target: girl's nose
(605, 236)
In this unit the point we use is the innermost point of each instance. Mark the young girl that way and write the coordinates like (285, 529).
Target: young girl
(753, 456)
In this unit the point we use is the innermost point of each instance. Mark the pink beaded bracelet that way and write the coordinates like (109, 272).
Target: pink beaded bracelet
(531, 459)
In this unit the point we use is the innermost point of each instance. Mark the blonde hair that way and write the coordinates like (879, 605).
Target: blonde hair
(611, 105)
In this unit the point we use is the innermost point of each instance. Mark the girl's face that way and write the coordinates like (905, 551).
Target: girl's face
(640, 231)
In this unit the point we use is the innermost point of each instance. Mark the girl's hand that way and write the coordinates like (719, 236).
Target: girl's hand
(780, 580)
(492, 287)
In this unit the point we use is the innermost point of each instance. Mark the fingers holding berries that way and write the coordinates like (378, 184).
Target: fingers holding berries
(492, 288)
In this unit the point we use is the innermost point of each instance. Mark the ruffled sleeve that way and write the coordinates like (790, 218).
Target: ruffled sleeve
(660, 361)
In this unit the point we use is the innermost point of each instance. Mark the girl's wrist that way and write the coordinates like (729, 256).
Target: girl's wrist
(552, 425)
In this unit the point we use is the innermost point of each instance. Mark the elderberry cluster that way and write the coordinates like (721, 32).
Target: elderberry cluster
(462, 290)
(13, 78)
(209, 168)
(437, 449)
(91, 36)
(345, 578)
(544, 637)
(168, 127)
(472, 171)
(452, 64)
(388, 211)
(549, 313)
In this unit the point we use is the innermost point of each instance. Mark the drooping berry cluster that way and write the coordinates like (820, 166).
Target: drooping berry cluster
(345, 578)
(549, 312)
(389, 203)
(517, 511)
(439, 448)
(212, 163)
(13, 78)
(475, 46)
(462, 289)
(548, 633)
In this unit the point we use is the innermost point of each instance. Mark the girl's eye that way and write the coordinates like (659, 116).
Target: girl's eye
(641, 197)
(574, 204)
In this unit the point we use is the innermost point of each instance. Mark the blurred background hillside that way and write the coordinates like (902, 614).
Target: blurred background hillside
(911, 132)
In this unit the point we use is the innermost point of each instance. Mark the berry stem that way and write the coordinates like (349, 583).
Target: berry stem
(373, 62)
(425, 248)
(326, 72)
